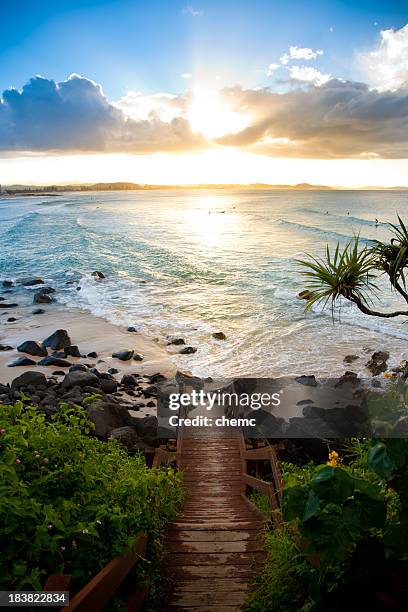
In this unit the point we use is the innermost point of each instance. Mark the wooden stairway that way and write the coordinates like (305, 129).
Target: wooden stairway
(212, 547)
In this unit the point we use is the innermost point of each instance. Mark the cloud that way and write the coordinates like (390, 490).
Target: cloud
(75, 116)
(193, 12)
(387, 65)
(308, 74)
(299, 53)
(339, 119)
(185, 75)
(272, 68)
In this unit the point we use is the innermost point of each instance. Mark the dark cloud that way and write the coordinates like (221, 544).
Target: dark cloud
(75, 116)
(336, 120)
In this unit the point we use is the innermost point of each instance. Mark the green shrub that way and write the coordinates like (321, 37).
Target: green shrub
(69, 502)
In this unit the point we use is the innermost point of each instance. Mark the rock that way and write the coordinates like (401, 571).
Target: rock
(176, 341)
(304, 402)
(8, 305)
(21, 361)
(78, 367)
(128, 437)
(31, 282)
(150, 404)
(32, 379)
(50, 360)
(11, 319)
(7, 283)
(128, 380)
(347, 377)
(188, 350)
(378, 362)
(5, 347)
(42, 298)
(219, 336)
(113, 371)
(108, 386)
(58, 340)
(131, 329)
(72, 351)
(38, 311)
(308, 381)
(46, 290)
(92, 355)
(32, 348)
(154, 378)
(124, 355)
(2, 299)
(79, 378)
(146, 428)
(306, 294)
(98, 275)
(107, 416)
(58, 373)
(137, 357)
(350, 358)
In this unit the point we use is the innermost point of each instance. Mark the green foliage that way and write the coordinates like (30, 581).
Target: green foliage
(69, 502)
(348, 272)
(392, 257)
(280, 585)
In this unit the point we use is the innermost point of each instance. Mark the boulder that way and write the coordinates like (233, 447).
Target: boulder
(131, 329)
(21, 361)
(46, 290)
(5, 347)
(128, 437)
(11, 319)
(42, 298)
(306, 294)
(124, 355)
(113, 371)
(107, 416)
(350, 358)
(128, 380)
(78, 378)
(7, 283)
(78, 367)
(8, 305)
(219, 336)
(31, 282)
(37, 311)
(72, 351)
(98, 275)
(378, 362)
(108, 386)
(92, 355)
(176, 341)
(137, 357)
(32, 379)
(146, 428)
(58, 340)
(188, 350)
(308, 381)
(50, 360)
(32, 348)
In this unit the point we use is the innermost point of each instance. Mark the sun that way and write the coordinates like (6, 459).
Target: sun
(210, 115)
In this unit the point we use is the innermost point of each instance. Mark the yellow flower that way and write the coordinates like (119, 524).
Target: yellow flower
(389, 375)
(333, 459)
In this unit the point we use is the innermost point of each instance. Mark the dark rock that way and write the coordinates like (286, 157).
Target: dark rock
(378, 362)
(2, 299)
(7, 283)
(308, 381)
(150, 404)
(33, 379)
(154, 378)
(30, 282)
(46, 290)
(350, 358)
(38, 311)
(108, 386)
(128, 380)
(8, 305)
(79, 378)
(176, 341)
(131, 329)
(21, 361)
(137, 357)
(92, 355)
(188, 350)
(78, 367)
(72, 351)
(146, 428)
(128, 437)
(313, 412)
(107, 416)
(219, 336)
(50, 360)
(32, 348)
(78, 288)
(58, 340)
(42, 298)
(5, 347)
(11, 319)
(304, 402)
(58, 373)
(347, 378)
(306, 294)
(113, 371)
(98, 275)
(123, 355)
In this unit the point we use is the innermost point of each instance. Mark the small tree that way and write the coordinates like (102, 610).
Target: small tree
(350, 272)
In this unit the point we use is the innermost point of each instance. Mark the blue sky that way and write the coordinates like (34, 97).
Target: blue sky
(131, 45)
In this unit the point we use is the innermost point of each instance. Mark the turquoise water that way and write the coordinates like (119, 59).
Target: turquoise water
(193, 262)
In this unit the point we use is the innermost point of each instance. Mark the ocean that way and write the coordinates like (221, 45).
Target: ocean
(193, 262)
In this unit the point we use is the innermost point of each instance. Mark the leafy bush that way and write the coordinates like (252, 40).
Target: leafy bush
(69, 502)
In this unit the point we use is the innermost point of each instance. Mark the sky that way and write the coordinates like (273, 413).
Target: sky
(207, 91)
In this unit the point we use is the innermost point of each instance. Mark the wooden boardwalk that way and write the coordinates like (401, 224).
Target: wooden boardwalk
(212, 547)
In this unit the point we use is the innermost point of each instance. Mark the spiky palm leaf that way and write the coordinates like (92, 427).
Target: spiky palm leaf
(393, 256)
(348, 273)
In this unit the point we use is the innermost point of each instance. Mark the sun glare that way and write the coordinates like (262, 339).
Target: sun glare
(211, 116)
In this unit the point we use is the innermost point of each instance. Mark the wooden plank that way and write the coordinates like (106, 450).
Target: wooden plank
(96, 594)
(214, 547)
(220, 584)
(209, 598)
(223, 559)
(211, 535)
(57, 582)
(216, 572)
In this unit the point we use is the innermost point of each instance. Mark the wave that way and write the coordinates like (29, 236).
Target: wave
(322, 231)
(348, 218)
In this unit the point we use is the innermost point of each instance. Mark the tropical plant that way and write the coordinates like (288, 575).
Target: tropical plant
(351, 270)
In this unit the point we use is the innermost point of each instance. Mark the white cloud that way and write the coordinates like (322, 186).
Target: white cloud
(300, 53)
(272, 68)
(185, 75)
(387, 66)
(308, 74)
(193, 12)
